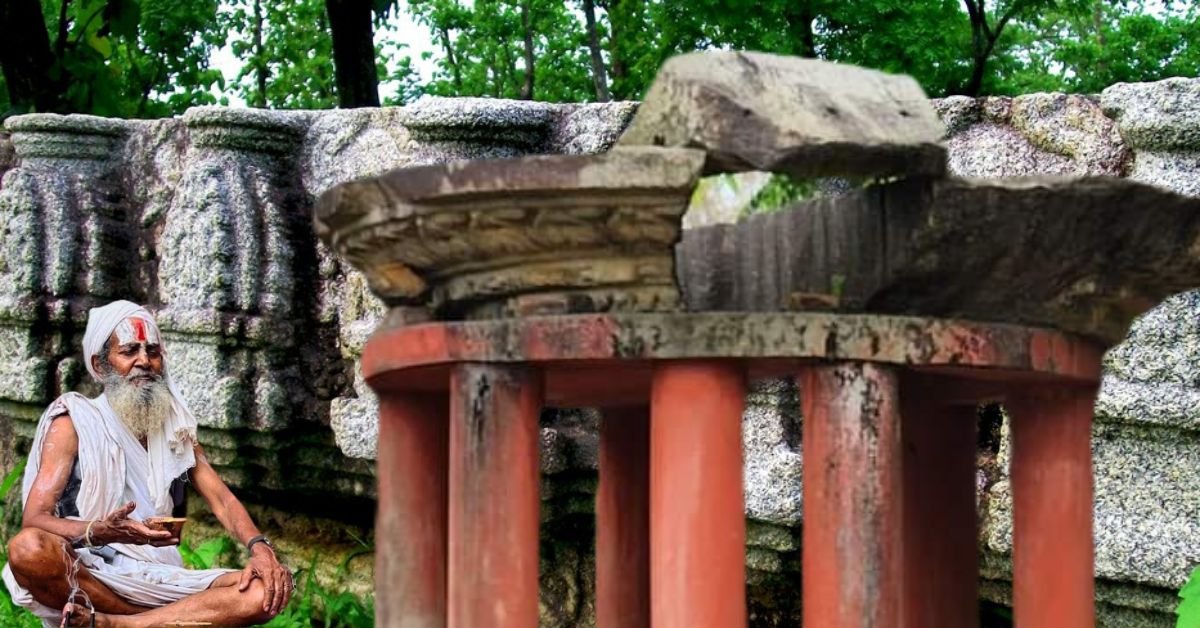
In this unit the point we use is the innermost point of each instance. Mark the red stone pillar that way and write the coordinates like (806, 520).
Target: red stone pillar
(1051, 472)
(852, 489)
(940, 541)
(697, 511)
(494, 505)
(410, 525)
(623, 520)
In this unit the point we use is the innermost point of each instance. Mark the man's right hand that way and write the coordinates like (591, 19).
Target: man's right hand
(117, 527)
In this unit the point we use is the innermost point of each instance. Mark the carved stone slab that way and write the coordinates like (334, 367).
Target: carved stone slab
(754, 111)
(1084, 255)
(543, 234)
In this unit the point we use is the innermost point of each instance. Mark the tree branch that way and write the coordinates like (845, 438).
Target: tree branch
(527, 27)
(60, 41)
(26, 58)
(444, 35)
(599, 79)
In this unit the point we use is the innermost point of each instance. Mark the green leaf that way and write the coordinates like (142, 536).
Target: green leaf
(1189, 608)
(12, 478)
(1192, 588)
(123, 17)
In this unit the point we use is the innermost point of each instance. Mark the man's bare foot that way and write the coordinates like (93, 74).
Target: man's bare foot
(77, 616)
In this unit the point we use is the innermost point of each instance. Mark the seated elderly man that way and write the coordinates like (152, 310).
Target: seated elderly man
(100, 471)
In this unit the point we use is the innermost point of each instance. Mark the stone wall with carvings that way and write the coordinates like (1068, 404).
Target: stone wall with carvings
(207, 218)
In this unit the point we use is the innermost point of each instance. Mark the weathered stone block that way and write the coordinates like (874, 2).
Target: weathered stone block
(590, 128)
(773, 537)
(759, 559)
(355, 420)
(490, 123)
(1031, 135)
(1072, 254)
(346, 144)
(1161, 121)
(209, 379)
(24, 372)
(773, 459)
(755, 111)
(8, 156)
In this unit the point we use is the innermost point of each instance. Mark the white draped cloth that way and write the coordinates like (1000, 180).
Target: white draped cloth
(114, 469)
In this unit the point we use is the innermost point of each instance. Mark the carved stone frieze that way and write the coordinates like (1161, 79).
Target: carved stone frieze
(63, 232)
(452, 129)
(226, 275)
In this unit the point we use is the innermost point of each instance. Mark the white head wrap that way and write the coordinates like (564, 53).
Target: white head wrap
(180, 427)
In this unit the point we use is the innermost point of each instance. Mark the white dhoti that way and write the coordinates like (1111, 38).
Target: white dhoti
(115, 469)
(139, 582)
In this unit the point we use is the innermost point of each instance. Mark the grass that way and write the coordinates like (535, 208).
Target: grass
(312, 605)
(12, 615)
(1188, 611)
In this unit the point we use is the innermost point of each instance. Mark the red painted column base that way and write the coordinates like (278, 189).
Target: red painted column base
(623, 520)
(697, 511)
(494, 504)
(852, 491)
(410, 524)
(1051, 472)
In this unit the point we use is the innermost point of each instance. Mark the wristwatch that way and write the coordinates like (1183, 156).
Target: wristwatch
(259, 539)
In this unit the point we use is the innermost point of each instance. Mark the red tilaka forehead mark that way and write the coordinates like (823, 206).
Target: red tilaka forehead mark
(139, 329)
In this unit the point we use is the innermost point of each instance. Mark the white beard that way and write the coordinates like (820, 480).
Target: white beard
(142, 408)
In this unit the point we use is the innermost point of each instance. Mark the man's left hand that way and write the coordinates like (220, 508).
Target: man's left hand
(276, 579)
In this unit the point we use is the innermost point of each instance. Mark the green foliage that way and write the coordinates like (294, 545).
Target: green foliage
(12, 615)
(1188, 611)
(1103, 43)
(208, 554)
(312, 603)
(287, 54)
(992, 615)
(482, 46)
(315, 605)
(151, 58)
(134, 58)
(286, 51)
(780, 192)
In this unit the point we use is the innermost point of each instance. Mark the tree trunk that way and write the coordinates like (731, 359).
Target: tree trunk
(980, 46)
(619, 69)
(260, 58)
(26, 58)
(353, 52)
(975, 84)
(1101, 41)
(527, 27)
(598, 77)
(508, 67)
(455, 72)
(800, 16)
(325, 94)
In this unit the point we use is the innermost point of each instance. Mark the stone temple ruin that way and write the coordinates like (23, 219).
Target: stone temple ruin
(209, 219)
